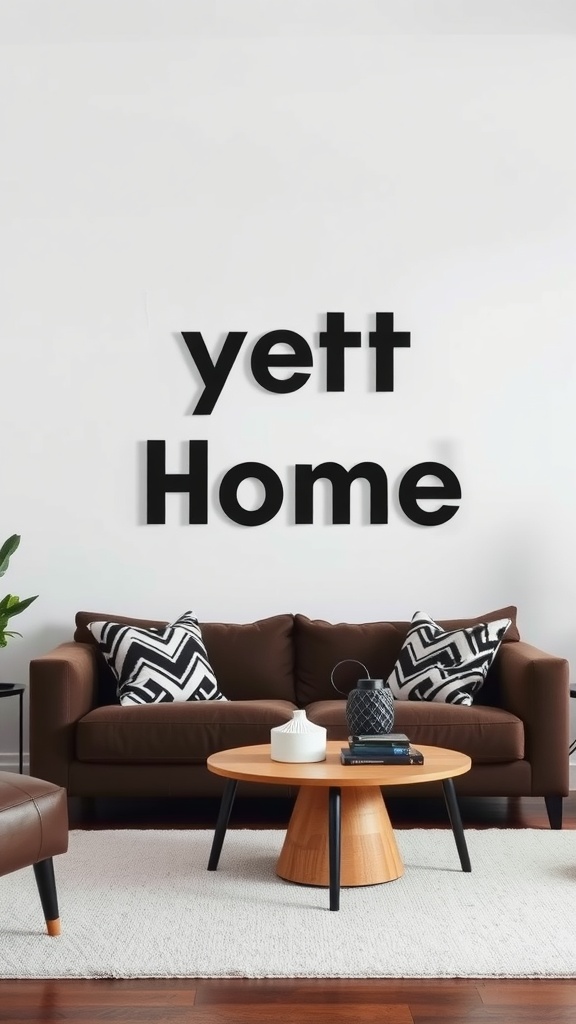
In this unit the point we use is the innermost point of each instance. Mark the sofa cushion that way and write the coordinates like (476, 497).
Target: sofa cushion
(155, 666)
(488, 735)
(445, 665)
(253, 660)
(171, 733)
(319, 645)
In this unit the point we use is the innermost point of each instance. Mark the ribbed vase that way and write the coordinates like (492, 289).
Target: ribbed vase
(299, 740)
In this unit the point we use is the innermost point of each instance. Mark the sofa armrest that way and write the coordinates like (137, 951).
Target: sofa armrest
(63, 688)
(535, 686)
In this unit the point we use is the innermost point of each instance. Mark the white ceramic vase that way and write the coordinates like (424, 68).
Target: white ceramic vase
(299, 740)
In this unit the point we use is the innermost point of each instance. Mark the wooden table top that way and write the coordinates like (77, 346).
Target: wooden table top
(254, 764)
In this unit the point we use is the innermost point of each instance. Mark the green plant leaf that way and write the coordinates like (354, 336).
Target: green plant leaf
(14, 605)
(10, 604)
(7, 550)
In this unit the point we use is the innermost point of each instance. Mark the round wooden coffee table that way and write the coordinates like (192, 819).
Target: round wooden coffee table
(339, 832)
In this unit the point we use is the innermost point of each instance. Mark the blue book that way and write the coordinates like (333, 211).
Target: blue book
(367, 748)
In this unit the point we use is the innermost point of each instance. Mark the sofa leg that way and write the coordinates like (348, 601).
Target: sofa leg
(44, 872)
(554, 808)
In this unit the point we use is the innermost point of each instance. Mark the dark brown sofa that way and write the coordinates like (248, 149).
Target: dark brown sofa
(516, 732)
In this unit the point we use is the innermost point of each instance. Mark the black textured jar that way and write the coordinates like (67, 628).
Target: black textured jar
(369, 706)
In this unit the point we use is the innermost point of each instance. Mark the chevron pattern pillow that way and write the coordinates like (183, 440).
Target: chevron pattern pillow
(157, 665)
(448, 666)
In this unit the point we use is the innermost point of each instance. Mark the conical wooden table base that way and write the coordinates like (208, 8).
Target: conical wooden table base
(369, 851)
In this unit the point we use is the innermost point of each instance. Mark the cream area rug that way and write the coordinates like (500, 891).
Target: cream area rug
(141, 904)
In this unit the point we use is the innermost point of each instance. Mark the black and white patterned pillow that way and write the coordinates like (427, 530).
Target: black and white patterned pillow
(154, 665)
(448, 666)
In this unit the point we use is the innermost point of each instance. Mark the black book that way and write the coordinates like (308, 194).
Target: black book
(385, 739)
(413, 756)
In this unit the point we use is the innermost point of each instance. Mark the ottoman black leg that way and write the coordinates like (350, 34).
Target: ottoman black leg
(222, 822)
(456, 822)
(44, 872)
(334, 845)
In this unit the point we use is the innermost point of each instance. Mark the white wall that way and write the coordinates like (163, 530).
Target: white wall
(246, 166)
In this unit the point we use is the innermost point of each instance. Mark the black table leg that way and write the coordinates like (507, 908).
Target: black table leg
(334, 844)
(222, 822)
(456, 822)
(44, 872)
(21, 736)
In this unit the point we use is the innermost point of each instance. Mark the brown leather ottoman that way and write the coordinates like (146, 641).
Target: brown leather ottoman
(33, 829)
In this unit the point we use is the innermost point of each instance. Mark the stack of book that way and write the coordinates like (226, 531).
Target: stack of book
(383, 748)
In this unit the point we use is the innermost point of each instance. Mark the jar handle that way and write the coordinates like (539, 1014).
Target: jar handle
(343, 662)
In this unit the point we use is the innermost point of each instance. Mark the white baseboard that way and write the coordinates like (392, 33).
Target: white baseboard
(9, 763)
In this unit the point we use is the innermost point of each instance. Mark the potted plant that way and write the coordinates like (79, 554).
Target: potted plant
(10, 605)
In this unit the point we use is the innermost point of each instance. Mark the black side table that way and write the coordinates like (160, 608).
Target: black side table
(8, 690)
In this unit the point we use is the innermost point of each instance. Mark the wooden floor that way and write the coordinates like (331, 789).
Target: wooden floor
(299, 1001)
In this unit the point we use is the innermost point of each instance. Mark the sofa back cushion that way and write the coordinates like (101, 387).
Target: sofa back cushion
(251, 661)
(320, 645)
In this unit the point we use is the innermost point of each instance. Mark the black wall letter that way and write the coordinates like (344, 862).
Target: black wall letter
(229, 493)
(385, 339)
(215, 374)
(263, 359)
(160, 483)
(410, 493)
(335, 339)
(341, 479)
